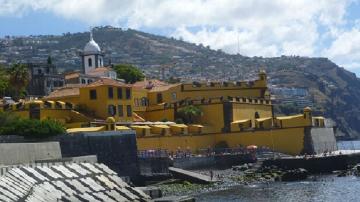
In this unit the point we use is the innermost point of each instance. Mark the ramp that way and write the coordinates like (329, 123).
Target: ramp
(191, 176)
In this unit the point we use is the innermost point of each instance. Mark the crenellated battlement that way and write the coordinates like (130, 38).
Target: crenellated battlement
(27, 105)
(211, 86)
(261, 82)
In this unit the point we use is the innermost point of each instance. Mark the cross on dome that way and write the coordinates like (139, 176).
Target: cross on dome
(91, 35)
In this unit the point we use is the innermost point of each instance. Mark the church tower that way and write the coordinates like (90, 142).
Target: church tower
(92, 56)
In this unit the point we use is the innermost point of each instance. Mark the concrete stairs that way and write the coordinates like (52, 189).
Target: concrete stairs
(67, 182)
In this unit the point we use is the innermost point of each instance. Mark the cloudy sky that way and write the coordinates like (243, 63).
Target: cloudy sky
(326, 28)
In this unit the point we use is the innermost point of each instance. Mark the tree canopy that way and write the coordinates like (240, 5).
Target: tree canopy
(18, 80)
(32, 128)
(189, 114)
(129, 73)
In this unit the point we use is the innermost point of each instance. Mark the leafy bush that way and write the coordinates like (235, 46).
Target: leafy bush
(129, 73)
(189, 114)
(12, 125)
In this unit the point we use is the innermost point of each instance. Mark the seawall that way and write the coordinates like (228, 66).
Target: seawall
(322, 164)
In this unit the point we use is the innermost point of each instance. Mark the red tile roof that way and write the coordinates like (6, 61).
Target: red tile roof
(108, 82)
(63, 92)
(100, 70)
(149, 84)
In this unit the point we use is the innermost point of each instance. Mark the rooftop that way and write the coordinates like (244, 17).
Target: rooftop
(109, 82)
(99, 70)
(61, 92)
(154, 85)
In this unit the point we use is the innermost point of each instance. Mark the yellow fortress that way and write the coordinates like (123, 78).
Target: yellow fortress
(230, 114)
(233, 113)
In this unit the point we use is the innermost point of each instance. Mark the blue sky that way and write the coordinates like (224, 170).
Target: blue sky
(321, 28)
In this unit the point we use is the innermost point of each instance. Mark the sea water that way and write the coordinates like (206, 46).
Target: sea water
(329, 188)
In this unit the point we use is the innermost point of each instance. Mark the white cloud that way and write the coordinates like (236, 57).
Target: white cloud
(266, 28)
(345, 50)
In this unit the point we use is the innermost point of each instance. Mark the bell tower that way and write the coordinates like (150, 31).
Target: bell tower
(91, 57)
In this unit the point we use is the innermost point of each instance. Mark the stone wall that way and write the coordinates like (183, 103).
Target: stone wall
(115, 149)
(24, 153)
(323, 139)
(156, 166)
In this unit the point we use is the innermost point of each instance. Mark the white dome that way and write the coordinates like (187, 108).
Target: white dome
(92, 47)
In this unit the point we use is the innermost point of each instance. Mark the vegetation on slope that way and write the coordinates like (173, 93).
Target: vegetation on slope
(30, 128)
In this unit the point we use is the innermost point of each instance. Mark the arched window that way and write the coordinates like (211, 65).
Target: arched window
(257, 115)
(90, 62)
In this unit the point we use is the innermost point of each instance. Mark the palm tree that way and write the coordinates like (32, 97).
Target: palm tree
(190, 113)
(19, 79)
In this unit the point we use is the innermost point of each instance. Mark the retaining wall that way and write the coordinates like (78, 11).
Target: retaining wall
(116, 149)
(21, 153)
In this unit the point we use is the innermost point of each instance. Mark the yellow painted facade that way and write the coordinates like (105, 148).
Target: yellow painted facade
(251, 110)
(50, 110)
(102, 102)
(178, 92)
(238, 113)
(101, 99)
(235, 113)
(160, 114)
(288, 141)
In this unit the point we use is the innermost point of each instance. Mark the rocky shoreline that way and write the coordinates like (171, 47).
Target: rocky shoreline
(244, 175)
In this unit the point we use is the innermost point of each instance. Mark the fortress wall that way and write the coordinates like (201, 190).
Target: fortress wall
(157, 115)
(323, 139)
(289, 141)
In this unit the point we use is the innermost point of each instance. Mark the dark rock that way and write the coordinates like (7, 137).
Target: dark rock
(240, 168)
(294, 175)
